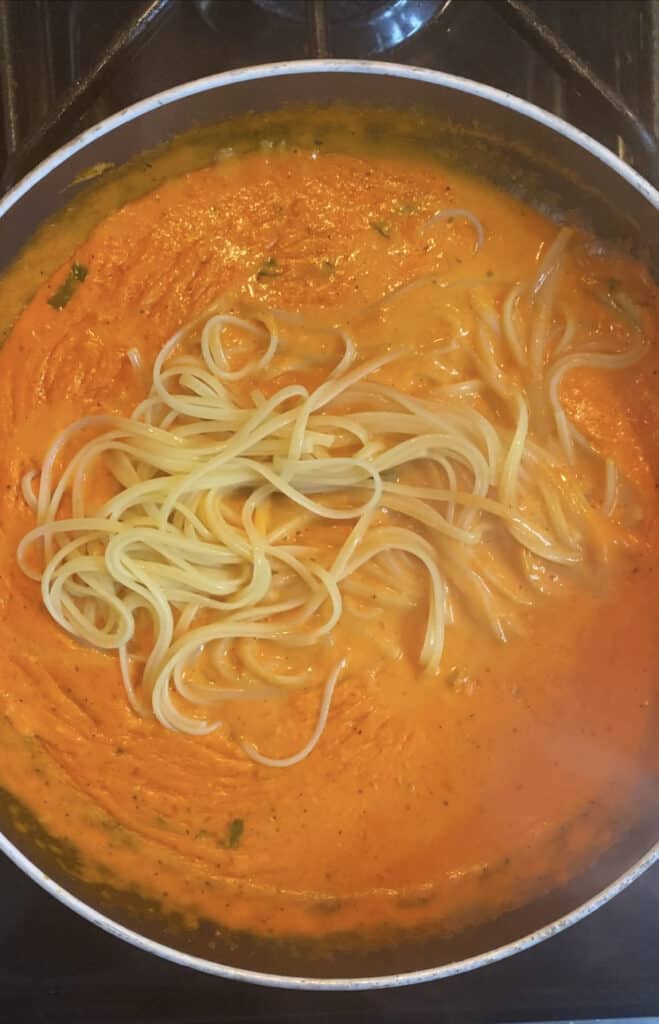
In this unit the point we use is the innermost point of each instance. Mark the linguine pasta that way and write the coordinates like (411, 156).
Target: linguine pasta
(199, 566)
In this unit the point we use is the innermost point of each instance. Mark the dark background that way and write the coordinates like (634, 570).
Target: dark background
(55, 967)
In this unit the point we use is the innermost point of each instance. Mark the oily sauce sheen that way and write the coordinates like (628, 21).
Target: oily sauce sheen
(427, 801)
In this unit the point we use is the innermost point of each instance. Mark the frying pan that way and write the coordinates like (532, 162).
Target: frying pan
(537, 156)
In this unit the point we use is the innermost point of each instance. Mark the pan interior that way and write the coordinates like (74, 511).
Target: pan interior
(471, 146)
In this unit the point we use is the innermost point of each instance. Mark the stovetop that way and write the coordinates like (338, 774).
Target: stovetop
(57, 968)
(65, 64)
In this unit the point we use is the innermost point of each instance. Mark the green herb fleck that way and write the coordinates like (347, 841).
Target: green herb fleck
(108, 824)
(407, 208)
(328, 266)
(381, 227)
(65, 291)
(269, 268)
(234, 834)
(328, 905)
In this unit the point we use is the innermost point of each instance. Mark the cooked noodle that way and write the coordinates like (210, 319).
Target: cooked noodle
(198, 558)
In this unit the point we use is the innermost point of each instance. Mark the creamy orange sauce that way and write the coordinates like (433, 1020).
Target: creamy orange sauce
(427, 801)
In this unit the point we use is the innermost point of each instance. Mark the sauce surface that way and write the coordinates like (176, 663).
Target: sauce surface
(427, 800)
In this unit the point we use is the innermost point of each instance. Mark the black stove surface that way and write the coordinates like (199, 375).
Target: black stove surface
(65, 64)
(57, 968)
